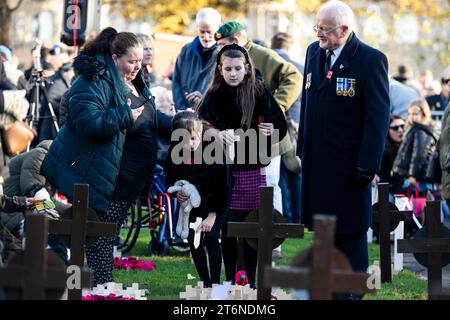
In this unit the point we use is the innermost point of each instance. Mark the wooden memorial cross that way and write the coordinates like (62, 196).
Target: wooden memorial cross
(34, 274)
(79, 227)
(385, 218)
(431, 248)
(261, 228)
(321, 269)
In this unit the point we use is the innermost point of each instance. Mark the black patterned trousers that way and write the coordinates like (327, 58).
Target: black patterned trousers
(100, 256)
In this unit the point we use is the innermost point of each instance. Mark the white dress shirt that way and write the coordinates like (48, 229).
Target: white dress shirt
(335, 55)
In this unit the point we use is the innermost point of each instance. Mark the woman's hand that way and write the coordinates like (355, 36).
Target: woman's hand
(193, 97)
(266, 128)
(375, 181)
(181, 197)
(412, 181)
(208, 223)
(32, 201)
(137, 112)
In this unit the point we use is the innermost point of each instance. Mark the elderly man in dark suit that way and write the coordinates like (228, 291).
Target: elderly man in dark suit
(343, 126)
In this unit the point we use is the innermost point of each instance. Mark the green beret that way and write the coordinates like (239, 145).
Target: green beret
(228, 29)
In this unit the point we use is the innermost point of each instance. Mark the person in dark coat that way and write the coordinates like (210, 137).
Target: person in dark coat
(192, 72)
(88, 148)
(212, 195)
(439, 102)
(419, 143)
(25, 179)
(343, 126)
(5, 83)
(59, 84)
(237, 99)
(139, 155)
(393, 142)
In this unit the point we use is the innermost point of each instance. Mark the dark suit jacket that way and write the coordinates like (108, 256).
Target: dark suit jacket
(340, 132)
(437, 102)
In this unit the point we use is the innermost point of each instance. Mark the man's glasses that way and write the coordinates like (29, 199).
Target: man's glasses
(396, 128)
(445, 81)
(323, 31)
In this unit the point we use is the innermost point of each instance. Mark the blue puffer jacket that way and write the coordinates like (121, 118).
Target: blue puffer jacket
(88, 148)
(191, 73)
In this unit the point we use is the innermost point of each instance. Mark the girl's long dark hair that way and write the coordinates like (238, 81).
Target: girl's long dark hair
(249, 89)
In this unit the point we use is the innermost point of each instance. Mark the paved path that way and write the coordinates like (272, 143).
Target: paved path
(410, 263)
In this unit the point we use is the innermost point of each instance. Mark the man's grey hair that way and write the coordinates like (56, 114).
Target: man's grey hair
(209, 16)
(242, 35)
(341, 12)
(144, 39)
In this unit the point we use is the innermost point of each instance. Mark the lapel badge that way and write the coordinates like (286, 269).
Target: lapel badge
(341, 66)
(308, 81)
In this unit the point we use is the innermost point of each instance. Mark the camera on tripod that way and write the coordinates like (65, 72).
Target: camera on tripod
(38, 83)
(37, 56)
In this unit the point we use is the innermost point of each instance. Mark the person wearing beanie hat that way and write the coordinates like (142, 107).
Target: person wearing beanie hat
(193, 66)
(228, 29)
(15, 76)
(405, 76)
(5, 53)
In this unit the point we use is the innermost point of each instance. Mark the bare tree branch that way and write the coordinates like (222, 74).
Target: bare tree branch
(19, 2)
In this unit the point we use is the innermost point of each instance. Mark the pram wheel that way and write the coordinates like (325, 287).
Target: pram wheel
(158, 249)
(131, 228)
(179, 245)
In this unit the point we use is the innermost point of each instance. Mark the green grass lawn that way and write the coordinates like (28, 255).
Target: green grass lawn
(170, 276)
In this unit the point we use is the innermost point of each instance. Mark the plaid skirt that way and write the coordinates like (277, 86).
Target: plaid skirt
(245, 190)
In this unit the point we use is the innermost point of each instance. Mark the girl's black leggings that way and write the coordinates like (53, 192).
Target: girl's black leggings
(230, 250)
(209, 246)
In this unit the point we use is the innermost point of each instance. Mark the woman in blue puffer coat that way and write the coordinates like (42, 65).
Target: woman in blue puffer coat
(88, 148)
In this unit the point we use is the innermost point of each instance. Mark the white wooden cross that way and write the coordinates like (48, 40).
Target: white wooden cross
(194, 226)
(230, 149)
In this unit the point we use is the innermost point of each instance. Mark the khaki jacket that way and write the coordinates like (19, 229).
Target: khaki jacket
(281, 78)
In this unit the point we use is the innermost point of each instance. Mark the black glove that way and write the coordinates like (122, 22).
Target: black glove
(13, 204)
(364, 176)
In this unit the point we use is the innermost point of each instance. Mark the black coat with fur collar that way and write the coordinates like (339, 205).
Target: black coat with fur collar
(222, 111)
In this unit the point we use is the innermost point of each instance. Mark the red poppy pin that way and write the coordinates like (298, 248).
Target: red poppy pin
(329, 74)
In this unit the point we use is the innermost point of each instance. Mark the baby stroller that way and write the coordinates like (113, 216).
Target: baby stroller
(155, 210)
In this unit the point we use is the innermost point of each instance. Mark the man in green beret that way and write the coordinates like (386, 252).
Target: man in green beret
(281, 78)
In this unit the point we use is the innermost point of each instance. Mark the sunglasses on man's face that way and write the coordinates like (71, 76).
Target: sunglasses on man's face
(445, 81)
(396, 128)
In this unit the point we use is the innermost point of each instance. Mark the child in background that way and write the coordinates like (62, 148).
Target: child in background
(210, 182)
(418, 144)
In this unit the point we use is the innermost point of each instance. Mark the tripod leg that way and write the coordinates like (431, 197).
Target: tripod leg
(50, 108)
(34, 109)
